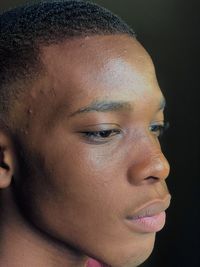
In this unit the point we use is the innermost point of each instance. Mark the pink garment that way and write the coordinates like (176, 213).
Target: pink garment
(94, 263)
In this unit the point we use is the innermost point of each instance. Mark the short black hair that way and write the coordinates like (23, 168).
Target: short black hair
(25, 29)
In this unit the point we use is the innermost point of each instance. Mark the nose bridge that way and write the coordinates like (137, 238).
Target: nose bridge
(150, 162)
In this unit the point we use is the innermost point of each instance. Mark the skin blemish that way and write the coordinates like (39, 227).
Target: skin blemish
(82, 44)
(33, 94)
(42, 92)
(30, 111)
(53, 92)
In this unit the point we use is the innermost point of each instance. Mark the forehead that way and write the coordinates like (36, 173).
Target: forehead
(97, 53)
(98, 65)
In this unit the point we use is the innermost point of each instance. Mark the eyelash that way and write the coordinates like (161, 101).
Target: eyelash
(101, 136)
(105, 135)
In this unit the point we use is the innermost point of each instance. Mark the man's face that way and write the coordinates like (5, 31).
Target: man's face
(91, 137)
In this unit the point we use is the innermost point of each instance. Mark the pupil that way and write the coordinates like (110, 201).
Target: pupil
(105, 133)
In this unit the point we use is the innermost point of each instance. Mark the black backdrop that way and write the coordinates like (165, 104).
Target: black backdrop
(169, 30)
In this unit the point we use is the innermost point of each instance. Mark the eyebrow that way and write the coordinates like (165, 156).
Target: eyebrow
(109, 106)
(162, 104)
(104, 106)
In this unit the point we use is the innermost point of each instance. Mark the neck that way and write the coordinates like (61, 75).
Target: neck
(22, 244)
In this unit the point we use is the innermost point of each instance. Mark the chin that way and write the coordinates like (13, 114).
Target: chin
(136, 260)
(131, 255)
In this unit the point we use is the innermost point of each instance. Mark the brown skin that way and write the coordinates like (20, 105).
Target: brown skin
(82, 187)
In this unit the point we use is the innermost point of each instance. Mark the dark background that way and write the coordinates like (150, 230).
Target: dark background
(169, 30)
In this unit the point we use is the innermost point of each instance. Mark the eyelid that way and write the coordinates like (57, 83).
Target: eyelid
(161, 128)
(94, 136)
(102, 126)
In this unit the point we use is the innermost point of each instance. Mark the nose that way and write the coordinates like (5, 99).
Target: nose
(150, 165)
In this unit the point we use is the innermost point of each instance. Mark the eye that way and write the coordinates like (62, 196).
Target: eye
(100, 136)
(159, 129)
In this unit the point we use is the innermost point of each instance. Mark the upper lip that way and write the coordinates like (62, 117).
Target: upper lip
(151, 208)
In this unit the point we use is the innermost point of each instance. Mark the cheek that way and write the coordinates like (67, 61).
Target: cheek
(82, 183)
(88, 176)
(80, 165)
(85, 178)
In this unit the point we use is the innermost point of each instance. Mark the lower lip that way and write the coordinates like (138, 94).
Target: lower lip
(149, 224)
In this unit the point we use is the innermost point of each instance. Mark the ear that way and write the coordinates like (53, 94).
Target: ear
(7, 160)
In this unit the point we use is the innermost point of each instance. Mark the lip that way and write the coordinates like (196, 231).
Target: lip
(150, 217)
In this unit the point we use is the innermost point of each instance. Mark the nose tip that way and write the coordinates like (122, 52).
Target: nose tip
(159, 167)
(150, 168)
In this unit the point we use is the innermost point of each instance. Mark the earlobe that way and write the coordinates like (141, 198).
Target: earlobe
(7, 162)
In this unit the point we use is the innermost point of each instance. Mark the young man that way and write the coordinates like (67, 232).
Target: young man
(82, 174)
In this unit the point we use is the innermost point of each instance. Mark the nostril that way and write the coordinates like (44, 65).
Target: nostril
(152, 179)
(2, 163)
(4, 166)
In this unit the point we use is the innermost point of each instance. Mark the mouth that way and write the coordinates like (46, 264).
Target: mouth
(150, 217)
